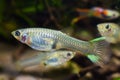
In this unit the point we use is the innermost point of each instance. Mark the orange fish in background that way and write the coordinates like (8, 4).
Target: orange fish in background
(97, 12)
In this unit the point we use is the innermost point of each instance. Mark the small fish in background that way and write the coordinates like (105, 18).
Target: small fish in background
(97, 12)
(111, 31)
(43, 39)
(54, 58)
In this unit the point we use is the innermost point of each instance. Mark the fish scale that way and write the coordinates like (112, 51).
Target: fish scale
(72, 43)
(65, 40)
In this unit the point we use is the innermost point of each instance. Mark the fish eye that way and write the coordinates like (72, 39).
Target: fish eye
(68, 54)
(107, 26)
(17, 33)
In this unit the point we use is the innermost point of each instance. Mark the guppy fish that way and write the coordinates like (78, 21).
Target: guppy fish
(97, 12)
(49, 40)
(110, 31)
(54, 58)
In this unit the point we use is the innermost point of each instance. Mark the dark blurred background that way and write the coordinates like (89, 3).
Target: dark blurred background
(53, 14)
(16, 14)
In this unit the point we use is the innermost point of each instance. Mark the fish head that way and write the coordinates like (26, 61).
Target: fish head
(68, 54)
(107, 29)
(110, 14)
(20, 35)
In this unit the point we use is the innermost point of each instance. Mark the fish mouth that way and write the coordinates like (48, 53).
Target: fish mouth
(12, 33)
(99, 28)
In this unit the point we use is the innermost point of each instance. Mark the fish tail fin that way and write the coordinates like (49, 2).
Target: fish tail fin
(75, 20)
(82, 10)
(101, 54)
(83, 13)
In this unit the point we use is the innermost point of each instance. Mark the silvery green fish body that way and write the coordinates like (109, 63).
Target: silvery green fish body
(54, 58)
(49, 40)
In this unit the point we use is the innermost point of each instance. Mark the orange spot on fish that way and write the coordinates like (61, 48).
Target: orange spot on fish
(97, 13)
(105, 12)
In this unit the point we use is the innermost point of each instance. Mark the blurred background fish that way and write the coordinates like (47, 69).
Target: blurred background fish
(109, 30)
(47, 59)
(97, 12)
(42, 39)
